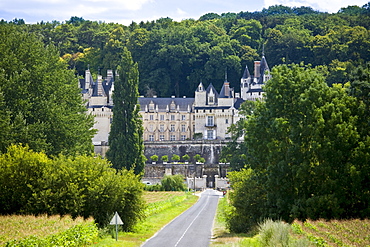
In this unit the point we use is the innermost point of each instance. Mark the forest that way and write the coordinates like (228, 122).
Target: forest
(173, 57)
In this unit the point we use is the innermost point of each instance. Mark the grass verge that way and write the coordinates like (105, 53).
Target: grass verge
(221, 236)
(161, 212)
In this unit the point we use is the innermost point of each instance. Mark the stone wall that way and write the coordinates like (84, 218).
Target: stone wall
(208, 149)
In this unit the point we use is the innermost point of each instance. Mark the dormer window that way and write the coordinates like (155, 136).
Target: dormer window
(151, 106)
(173, 106)
(210, 99)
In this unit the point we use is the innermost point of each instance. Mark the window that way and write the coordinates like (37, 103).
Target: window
(150, 127)
(151, 117)
(210, 99)
(172, 117)
(210, 121)
(183, 137)
(161, 117)
(172, 128)
(183, 128)
(161, 137)
(173, 138)
(227, 121)
(151, 138)
(183, 117)
(210, 134)
(161, 128)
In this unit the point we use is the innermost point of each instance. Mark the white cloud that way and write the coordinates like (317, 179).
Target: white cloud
(181, 12)
(324, 6)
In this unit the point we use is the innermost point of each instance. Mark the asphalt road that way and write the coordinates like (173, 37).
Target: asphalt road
(192, 228)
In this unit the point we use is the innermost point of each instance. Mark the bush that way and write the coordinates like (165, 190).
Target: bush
(197, 157)
(186, 157)
(82, 186)
(164, 158)
(175, 157)
(173, 183)
(154, 158)
(154, 187)
(276, 233)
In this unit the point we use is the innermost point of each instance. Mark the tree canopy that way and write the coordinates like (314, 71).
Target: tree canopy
(125, 139)
(39, 97)
(174, 56)
(303, 145)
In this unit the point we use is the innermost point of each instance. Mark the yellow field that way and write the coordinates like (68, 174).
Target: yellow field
(19, 226)
(150, 196)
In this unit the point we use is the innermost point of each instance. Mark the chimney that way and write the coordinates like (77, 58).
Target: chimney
(257, 69)
(100, 85)
(110, 73)
(87, 79)
(227, 89)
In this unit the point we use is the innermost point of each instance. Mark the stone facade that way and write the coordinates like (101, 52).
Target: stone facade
(207, 116)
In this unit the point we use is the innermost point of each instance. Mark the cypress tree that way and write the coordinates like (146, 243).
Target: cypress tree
(125, 139)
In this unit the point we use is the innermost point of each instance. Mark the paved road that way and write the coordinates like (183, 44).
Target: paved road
(192, 228)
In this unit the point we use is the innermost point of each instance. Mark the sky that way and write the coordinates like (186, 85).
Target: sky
(126, 11)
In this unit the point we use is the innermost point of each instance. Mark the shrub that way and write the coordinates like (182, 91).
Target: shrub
(164, 158)
(175, 157)
(82, 186)
(154, 158)
(186, 157)
(197, 157)
(276, 233)
(173, 183)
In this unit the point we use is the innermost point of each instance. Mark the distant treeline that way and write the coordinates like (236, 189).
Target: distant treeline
(175, 56)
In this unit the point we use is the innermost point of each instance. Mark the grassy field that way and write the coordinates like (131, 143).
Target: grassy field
(335, 232)
(321, 233)
(20, 227)
(162, 208)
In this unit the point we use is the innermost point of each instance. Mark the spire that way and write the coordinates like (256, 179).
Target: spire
(263, 50)
(263, 69)
(226, 75)
(200, 87)
(246, 73)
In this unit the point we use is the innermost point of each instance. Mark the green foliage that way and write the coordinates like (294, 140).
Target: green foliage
(82, 186)
(197, 157)
(126, 144)
(79, 235)
(174, 56)
(40, 99)
(154, 158)
(175, 157)
(186, 157)
(164, 158)
(304, 144)
(173, 183)
(197, 136)
(277, 233)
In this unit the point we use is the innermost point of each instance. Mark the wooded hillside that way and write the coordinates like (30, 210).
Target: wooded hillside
(174, 57)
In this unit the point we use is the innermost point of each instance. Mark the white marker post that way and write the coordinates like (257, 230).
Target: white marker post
(116, 220)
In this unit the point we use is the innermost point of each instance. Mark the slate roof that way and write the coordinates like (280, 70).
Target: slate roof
(263, 68)
(223, 91)
(163, 104)
(246, 73)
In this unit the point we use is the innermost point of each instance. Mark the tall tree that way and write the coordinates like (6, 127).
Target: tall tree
(41, 97)
(125, 140)
(305, 150)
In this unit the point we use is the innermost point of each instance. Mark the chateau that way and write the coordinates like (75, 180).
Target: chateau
(207, 116)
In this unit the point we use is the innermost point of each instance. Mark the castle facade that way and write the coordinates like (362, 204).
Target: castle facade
(206, 116)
